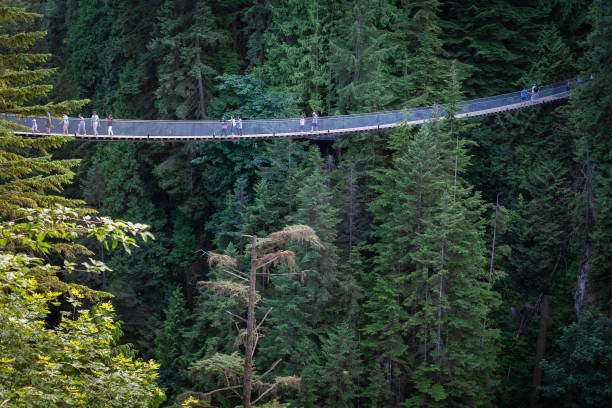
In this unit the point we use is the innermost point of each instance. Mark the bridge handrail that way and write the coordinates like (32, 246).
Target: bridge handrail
(131, 127)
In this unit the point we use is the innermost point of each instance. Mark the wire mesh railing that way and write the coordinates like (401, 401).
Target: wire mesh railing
(206, 128)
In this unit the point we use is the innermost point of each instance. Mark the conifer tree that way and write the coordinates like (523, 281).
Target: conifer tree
(28, 172)
(282, 175)
(425, 73)
(338, 371)
(264, 254)
(186, 30)
(591, 126)
(53, 357)
(358, 54)
(170, 342)
(298, 50)
(484, 49)
(137, 291)
(430, 249)
(261, 217)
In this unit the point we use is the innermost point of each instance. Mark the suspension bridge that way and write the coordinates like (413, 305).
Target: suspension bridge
(327, 128)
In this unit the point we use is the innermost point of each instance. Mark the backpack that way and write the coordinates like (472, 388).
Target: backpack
(536, 89)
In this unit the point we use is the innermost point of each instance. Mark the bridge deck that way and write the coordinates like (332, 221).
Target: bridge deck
(299, 134)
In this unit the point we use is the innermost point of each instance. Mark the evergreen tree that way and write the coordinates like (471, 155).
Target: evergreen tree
(138, 290)
(430, 250)
(264, 254)
(54, 353)
(577, 376)
(170, 342)
(185, 31)
(426, 72)
(88, 58)
(358, 56)
(297, 53)
(339, 369)
(591, 126)
(495, 63)
(29, 173)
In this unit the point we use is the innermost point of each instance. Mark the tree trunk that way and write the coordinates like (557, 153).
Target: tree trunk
(484, 324)
(200, 83)
(540, 349)
(357, 43)
(250, 339)
(494, 237)
(583, 272)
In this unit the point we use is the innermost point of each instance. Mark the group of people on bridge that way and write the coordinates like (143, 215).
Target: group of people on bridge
(81, 129)
(234, 125)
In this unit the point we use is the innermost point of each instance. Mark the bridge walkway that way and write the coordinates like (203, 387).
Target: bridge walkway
(143, 131)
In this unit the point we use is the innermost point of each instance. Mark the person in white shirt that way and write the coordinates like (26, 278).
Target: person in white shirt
(65, 121)
(95, 123)
(233, 120)
(34, 126)
(81, 128)
(534, 92)
(302, 123)
(110, 125)
(240, 125)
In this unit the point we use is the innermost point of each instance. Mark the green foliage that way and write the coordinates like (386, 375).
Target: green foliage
(28, 173)
(251, 98)
(297, 50)
(170, 342)
(74, 359)
(385, 205)
(358, 53)
(578, 375)
(591, 125)
(335, 381)
(496, 41)
(185, 31)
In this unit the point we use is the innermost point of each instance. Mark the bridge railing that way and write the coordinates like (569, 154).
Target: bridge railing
(155, 128)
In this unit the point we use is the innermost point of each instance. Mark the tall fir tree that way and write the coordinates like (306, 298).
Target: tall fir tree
(186, 30)
(297, 53)
(591, 126)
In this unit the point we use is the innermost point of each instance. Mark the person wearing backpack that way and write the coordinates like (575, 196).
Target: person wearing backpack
(524, 96)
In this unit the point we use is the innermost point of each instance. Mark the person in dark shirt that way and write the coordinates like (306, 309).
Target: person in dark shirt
(223, 126)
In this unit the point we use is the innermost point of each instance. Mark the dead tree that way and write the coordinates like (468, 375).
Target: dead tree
(265, 253)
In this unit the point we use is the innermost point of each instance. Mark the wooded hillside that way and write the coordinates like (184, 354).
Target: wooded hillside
(454, 257)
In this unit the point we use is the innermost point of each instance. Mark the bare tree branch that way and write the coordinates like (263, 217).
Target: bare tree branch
(236, 316)
(231, 387)
(263, 319)
(235, 275)
(269, 369)
(274, 386)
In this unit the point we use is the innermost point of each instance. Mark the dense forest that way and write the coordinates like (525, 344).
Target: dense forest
(461, 263)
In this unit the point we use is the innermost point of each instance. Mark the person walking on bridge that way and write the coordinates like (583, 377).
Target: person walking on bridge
(81, 128)
(302, 123)
(110, 125)
(239, 125)
(534, 92)
(66, 122)
(233, 120)
(223, 126)
(34, 126)
(95, 123)
(48, 124)
(315, 120)
(524, 96)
